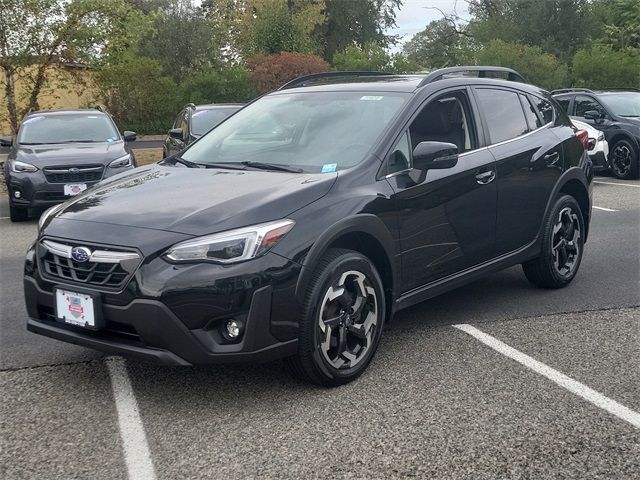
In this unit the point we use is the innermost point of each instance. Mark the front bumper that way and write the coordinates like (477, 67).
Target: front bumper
(37, 192)
(174, 314)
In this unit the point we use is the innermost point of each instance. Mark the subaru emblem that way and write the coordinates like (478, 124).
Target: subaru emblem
(80, 254)
(74, 170)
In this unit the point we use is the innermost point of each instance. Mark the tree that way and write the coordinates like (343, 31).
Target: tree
(37, 34)
(439, 45)
(559, 27)
(539, 68)
(268, 72)
(604, 67)
(136, 93)
(358, 22)
(182, 40)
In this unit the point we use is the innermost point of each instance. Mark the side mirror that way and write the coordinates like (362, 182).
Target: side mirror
(593, 115)
(435, 155)
(6, 141)
(176, 133)
(129, 136)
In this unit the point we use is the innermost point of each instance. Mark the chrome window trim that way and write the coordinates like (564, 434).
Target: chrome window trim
(97, 256)
(519, 136)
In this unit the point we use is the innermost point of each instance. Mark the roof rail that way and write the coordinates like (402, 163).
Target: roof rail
(439, 74)
(621, 89)
(569, 90)
(190, 105)
(300, 81)
(100, 108)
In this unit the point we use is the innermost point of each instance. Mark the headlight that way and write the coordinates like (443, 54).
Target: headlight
(46, 215)
(124, 161)
(20, 167)
(231, 246)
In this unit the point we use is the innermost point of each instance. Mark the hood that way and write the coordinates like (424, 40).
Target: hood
(70, 153)
(196, 201)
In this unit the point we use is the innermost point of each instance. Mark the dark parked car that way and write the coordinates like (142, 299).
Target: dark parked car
(617, 114)
(301, 224)
(193, 122)
(58, 154)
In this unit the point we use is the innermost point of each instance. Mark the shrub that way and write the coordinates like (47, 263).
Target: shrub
(370, 58)
(269, 72)
(603, 67)
(540, 68)
(232, 84)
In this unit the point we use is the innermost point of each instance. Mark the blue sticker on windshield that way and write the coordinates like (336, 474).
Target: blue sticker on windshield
(329, 167)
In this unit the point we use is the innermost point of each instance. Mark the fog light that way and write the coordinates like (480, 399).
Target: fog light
(17, 194)
(232, 330)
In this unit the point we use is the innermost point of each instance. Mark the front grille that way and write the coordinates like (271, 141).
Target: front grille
(74, 174)
(111, 276)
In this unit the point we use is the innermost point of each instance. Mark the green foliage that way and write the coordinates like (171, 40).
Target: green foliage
(604, 67)
(358, 22)
(274, 30)
(539, 68)
(181, 40)
(371, 58)
(138, 96)
(268, 72)
(230, 84)
(439, 45)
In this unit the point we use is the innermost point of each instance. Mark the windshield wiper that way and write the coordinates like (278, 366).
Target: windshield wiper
(186, 163)
(271, 166)
(228, 165)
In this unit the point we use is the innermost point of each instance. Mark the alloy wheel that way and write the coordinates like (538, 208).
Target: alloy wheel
(621, 160)
(565, 242)
(348, 320)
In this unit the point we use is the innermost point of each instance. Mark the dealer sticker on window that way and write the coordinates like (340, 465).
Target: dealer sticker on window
(329, 167)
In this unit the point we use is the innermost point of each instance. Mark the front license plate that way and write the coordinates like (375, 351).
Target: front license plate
(72, 189)
(75, 308)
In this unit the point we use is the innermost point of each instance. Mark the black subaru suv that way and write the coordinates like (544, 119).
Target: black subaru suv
(298, 227)
(615, 112)
(58, 154)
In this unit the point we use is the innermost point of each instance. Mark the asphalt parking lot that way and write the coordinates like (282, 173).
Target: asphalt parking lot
(437, 402)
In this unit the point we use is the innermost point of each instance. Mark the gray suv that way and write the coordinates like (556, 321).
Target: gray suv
(58, 154)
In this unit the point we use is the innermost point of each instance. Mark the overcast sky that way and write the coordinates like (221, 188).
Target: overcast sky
(416, 14)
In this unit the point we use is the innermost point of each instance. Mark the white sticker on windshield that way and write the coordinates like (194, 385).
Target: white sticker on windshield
(372, 97)
(91, 116)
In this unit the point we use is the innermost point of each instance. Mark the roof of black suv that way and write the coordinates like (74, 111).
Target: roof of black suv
(376, 81)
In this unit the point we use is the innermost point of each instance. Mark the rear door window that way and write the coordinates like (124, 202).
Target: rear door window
(546, 110)
(503, 114)
(564, 103)
(530, 113)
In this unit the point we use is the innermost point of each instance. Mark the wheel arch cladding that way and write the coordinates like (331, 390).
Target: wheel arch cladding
(365, 234)
(577, 190)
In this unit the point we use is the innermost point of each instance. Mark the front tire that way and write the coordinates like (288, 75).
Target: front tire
(18, 214)
(562, 246)
(624, 160)
(342, 319)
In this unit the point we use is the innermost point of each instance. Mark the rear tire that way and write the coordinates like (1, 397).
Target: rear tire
(562, 246)
(342, 318)
(624, 161)
(18, 214)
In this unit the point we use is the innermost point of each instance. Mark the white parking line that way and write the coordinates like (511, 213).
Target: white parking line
(615, 183)
(605, 209)
(588, 394)
(134, 440)
(3, 218)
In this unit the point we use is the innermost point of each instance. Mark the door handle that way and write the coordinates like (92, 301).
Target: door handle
(551, 158)
(485, 177)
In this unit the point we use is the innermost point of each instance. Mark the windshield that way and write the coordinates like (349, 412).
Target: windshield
(204, 120)
(317, 132)
(38, 129)
(624, 104)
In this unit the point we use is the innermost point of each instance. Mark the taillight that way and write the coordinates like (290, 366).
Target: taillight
(583, 136)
